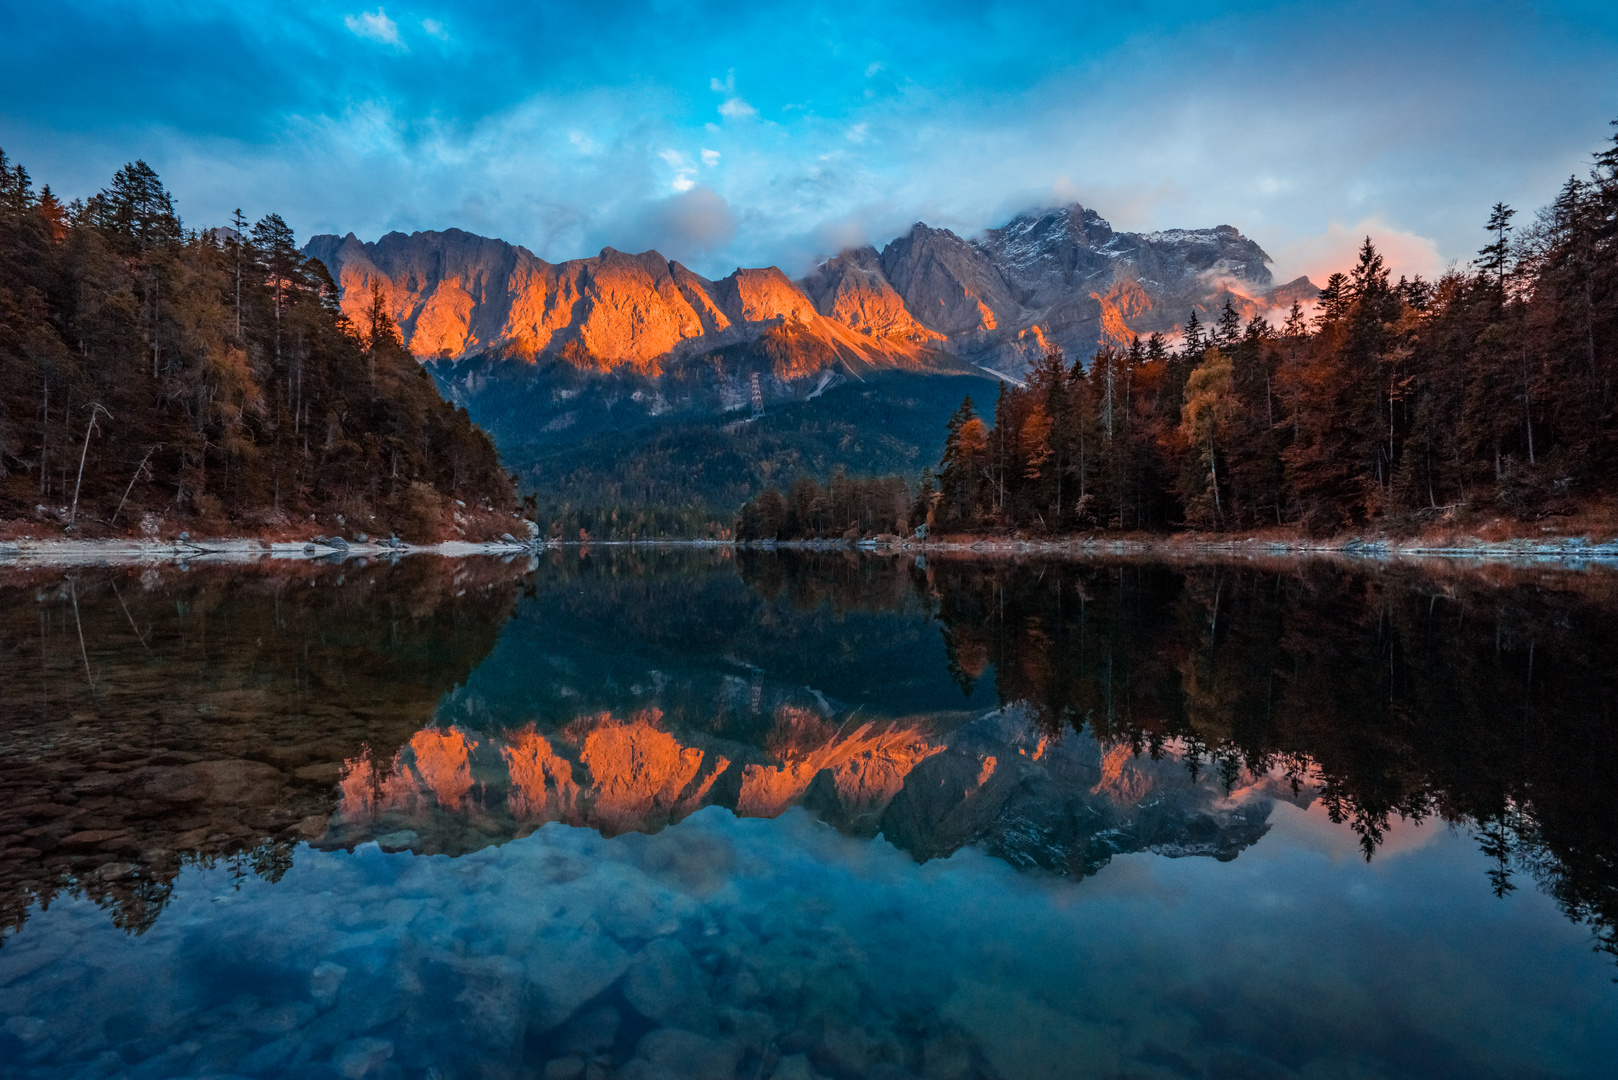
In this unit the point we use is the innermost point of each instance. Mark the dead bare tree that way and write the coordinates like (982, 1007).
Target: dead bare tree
(95, 408)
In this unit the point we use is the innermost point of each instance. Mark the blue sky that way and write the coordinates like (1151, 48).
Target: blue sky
(746, 134)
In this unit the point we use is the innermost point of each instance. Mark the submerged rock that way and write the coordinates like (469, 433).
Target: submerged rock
(794, 1067)
(566, 1068)
(567, 972)
(589, 1032)
(675, 1054)
(360, 1057)
(665, 981)
(492, 1006)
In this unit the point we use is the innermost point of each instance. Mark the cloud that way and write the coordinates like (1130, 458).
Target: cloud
(692, 223)
(434, 28)
(1337, 250)
(733, 107)
(683, 169)
(710, 158)
(374, 25)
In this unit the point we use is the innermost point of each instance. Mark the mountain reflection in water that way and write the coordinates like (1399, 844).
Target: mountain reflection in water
(246, 729)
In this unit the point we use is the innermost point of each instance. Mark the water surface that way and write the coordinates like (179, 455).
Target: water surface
(660, 813)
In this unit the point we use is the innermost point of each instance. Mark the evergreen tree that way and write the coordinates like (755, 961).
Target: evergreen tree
(1228, 330)
(1495, 256)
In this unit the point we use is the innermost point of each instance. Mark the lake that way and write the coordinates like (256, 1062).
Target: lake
(664, 812)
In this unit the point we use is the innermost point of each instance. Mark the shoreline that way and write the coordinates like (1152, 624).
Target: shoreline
(1569, 551)
(232, 550)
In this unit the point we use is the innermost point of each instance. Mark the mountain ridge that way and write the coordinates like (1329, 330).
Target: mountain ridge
(927, 300)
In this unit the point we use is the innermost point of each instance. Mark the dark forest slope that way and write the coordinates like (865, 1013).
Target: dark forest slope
(153, 379)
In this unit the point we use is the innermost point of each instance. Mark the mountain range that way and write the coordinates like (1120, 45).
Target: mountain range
(1061, 277)
(629, 381)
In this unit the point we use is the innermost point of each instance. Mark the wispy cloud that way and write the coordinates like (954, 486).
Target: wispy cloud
(733, 107)
(434, 28)
(374, 25)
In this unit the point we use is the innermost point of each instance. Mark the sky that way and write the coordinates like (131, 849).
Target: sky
(727, 134)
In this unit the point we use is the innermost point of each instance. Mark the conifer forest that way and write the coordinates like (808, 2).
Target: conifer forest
(154, 377)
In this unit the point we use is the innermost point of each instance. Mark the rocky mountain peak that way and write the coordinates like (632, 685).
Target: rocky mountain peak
(852, 289)
(948, 283)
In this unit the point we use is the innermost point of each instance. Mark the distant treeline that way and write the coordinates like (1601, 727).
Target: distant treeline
(208, 378)
(847, 507)
(1398, 402)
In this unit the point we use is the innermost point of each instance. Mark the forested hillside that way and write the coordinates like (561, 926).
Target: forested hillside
(154, 378)
(686, 474)
(1489, 393)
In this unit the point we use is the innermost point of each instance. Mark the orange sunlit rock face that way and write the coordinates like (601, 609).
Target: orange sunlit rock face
(542, 785)
(1120, 778)
(867, 766)
(851, 289)
(436, 763)
(636, 770)
(1123, 304)
(1055, 278)
(442, 762)
(453, 294)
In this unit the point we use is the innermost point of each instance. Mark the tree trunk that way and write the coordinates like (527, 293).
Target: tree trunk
(44, 435)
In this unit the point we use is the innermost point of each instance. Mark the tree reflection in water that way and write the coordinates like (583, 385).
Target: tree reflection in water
(1483, 697)
(160, 716)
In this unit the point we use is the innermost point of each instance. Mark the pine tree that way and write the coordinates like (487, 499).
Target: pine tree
(1334, 298)
(1194, 342)
(137, 210)
(1296, 326)
(1228, 330)
(961, 468)
(1495, 256)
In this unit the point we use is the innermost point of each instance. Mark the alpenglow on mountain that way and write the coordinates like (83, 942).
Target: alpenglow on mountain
(929, 300)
